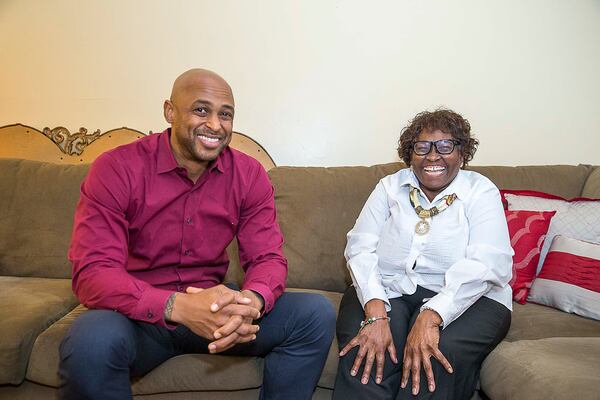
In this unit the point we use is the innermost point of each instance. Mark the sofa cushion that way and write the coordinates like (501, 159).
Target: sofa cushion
(560, 180)
(28, 306)
(189, 372)
(534, 321)
(591, 189)
(316, 207)
(553, 368)
(36, 209)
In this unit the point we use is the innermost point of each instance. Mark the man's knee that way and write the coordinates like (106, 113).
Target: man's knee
(316, 309)
(314, 317)
(98, 336)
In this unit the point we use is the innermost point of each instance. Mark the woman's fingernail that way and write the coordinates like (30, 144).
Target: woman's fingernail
(431, 388)
(415, 391)
(353, 372)
(364, 381)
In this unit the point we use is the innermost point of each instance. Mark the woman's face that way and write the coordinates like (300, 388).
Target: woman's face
(435, 171)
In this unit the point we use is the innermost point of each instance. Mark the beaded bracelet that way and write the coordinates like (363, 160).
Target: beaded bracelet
(371, 320)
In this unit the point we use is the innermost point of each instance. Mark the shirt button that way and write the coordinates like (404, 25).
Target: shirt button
(188, 221)
(187, 252)
(180, 288)
(150, 315)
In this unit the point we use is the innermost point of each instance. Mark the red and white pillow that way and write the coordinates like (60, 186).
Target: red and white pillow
(570, 278)
(576, 218)
(527, 231)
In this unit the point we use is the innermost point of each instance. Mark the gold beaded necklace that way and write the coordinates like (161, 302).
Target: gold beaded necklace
(422, 227)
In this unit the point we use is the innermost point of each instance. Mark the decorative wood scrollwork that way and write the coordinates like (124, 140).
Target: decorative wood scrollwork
(69, 143)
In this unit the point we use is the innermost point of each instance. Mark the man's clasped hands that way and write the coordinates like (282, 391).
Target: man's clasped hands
(220, 314)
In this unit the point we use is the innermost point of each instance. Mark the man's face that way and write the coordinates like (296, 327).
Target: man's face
(201, 114)
(435, 171)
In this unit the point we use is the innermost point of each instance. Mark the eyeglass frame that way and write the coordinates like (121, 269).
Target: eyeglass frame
(432, 144)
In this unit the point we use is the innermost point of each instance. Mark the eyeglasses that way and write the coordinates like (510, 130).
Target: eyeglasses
(444, 146)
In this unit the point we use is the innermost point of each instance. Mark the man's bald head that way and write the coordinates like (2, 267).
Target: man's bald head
(196, 78)
(200, 111)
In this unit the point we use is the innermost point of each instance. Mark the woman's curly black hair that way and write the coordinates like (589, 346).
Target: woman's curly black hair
(441, 119)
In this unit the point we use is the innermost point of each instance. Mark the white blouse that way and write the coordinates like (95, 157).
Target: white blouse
(465, 255)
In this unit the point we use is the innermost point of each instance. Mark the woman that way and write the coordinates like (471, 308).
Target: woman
(430, 261)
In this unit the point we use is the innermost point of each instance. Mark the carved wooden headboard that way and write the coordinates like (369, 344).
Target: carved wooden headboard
(60, 146)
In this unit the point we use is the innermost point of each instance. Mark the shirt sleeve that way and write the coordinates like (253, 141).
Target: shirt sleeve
(361, 248)
(99, 248)
(488, 258)
(260, 241)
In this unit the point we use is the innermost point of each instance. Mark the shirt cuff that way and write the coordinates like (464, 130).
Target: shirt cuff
(151, 307)
(265, 292)
(443, 305)
(375, 292)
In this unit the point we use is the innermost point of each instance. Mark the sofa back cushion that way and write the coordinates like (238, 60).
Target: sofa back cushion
(316, 207)
(566, 181)
(37, 201)
(591, 189)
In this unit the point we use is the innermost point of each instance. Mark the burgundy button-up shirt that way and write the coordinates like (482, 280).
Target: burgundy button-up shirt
(143, 229)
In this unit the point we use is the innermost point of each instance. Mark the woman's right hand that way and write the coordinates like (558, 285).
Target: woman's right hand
(374, 340)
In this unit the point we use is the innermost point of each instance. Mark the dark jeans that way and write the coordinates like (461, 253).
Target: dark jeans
(465, 343)
(104, 349)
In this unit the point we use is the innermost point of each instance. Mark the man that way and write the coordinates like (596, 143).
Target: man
(148, 254)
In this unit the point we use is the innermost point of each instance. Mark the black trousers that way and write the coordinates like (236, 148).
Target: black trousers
(465, 343)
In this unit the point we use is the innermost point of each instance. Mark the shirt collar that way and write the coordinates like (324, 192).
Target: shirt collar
(165, 160)
(459, 186)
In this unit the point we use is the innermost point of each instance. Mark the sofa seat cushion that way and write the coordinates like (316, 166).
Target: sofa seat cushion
(189, 372)
(28, 306)
(553, 368)
(534, 321)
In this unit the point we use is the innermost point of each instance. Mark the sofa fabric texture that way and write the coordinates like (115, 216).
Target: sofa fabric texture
(316, 207)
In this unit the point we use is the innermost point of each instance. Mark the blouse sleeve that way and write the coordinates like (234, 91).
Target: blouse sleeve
(361, 247)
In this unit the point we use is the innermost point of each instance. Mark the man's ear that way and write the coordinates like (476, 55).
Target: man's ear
(168, 111)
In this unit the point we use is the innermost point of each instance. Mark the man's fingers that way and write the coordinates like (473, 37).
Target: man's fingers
(247, 328)
(428, 372)
(246, 338)
(193, 290)
(223, 344)
(224, 299)
(445, 363)
(234, 322)
(241, 310)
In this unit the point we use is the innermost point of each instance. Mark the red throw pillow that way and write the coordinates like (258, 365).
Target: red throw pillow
(527, 231)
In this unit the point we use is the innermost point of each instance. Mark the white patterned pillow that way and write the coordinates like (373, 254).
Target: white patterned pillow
(570, 278)
(576, 218)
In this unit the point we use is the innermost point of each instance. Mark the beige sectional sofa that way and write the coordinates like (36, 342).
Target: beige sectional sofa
(547, 354)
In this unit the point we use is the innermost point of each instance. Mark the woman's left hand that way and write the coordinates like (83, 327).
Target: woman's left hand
(422, 343)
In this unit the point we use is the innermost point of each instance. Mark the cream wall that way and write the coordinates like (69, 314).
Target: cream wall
(318, 82)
